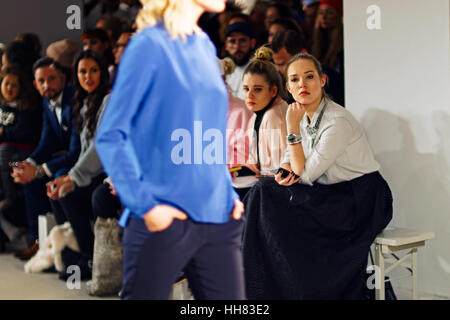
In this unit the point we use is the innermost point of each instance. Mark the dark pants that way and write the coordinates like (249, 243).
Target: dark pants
(241, 192)
(76, 207)
(209, 254)
(104, 204)
(9, 189)
(12, 210)
(36, 203)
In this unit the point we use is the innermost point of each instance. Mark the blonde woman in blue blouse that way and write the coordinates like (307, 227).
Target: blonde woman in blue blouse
(322, 217)
(179, 214)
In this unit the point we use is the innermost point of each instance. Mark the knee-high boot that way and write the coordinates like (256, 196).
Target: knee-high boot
(107, 261)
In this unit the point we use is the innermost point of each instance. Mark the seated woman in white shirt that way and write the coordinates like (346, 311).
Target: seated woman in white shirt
(309, 232)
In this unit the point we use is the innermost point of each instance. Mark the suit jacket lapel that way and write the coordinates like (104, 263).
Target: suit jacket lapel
(66, 110)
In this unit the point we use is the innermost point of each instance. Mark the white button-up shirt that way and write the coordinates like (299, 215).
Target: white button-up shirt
(235, 82)
(58, 107)
(338, 152)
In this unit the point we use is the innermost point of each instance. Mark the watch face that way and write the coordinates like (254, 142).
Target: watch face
(294, 138)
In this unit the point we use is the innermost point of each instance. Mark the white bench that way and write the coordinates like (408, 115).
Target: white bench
(394, 240)
(45, 223)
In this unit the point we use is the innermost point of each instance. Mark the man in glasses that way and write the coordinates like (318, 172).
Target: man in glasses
(118, 50)
(239, 45)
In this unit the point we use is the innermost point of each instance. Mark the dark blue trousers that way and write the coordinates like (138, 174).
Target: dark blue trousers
(209, 254)
(36, 202)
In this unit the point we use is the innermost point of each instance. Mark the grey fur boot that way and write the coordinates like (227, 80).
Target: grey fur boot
(107, 262)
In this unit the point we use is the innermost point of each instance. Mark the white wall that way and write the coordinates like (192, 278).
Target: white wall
(46, 18)
(398, 86)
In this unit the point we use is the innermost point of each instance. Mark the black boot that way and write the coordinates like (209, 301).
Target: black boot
(83, 262)
(3, 240)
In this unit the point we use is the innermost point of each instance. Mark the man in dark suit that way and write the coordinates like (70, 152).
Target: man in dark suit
(58, 148)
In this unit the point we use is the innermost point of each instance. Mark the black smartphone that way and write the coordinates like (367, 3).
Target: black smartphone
(284, 172)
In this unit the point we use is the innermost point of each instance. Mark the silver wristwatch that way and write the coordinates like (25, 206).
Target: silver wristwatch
(293, 138)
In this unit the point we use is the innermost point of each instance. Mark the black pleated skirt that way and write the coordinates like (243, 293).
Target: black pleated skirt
(312, 242)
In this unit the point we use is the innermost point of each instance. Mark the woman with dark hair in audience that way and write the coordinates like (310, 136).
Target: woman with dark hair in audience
(19, 54)
(310, 8)
(283, 24)
(71, 194)
(113, 25)
(275, 11)
(20, 128)
(309, 230)
(32, 41)
(99, 41)
(328, 44)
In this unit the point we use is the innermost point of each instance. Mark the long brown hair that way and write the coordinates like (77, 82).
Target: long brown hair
(94, 99)
(327, 48)
(28, 98)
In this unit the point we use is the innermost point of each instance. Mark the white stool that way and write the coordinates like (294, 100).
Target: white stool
(391, 241)
(45, 223)
(180, 291)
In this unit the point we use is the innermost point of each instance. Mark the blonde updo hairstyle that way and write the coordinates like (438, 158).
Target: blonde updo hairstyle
(262, 64)
(170, 11)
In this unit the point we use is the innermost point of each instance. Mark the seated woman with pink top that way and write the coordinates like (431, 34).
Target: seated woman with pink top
(262, 86)
(237, 120)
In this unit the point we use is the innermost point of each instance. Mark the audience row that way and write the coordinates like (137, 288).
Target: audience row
(48, 162)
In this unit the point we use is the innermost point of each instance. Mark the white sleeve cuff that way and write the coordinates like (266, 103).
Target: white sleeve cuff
(46, 170)
(30, 161)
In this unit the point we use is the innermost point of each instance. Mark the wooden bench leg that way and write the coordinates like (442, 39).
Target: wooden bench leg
(379, 279)
(414, 275)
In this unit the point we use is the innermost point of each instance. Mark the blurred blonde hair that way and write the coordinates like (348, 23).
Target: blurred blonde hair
(264, 54)
(228, 66)
(170, 11)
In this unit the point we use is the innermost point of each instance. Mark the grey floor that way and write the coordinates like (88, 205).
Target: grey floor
(15, 284)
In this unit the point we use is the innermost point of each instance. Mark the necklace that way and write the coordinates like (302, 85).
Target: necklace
(312, 131)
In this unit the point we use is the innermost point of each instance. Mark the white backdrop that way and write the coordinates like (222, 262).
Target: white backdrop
(398, 85)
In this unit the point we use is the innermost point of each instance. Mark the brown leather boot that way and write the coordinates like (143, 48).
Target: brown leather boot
(28, 253)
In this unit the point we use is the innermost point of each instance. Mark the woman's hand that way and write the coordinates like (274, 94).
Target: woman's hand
(60, 187)
(238, 210)
(24, 173)
(161, 217)
(294, 115)
(67, 187)
(112, 190)
(254, 168)
(288, 181)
